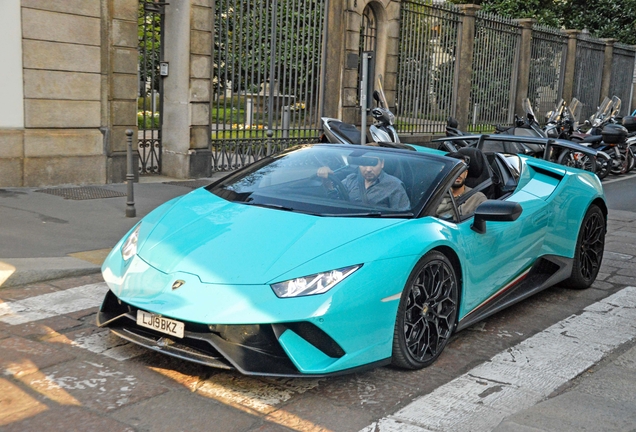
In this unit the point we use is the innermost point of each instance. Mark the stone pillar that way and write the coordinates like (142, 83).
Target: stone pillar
(119, 85)
(570, 65)
(335, 59)
(187, 89)
(607, 69)
(525, 55)
(464, 67)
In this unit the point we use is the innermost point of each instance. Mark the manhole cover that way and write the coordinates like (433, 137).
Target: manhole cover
(82, 192)
(192, 184)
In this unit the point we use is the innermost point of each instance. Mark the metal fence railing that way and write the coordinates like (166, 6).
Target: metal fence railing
(588, 74)
(495, 71)
(427, 75)
(622, 68)
(267, 60)
(547, 68)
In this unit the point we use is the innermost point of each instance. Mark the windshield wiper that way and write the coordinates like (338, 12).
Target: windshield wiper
(272, 206)
(371, 214)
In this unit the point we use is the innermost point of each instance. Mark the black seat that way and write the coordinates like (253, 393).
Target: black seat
(479, 171)
(402, 171)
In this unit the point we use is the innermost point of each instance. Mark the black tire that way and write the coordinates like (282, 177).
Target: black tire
(578, 160)
(427, 313)
(602, 166)
(619, 162)
(589, 250)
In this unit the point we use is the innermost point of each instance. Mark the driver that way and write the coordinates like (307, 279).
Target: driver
(371, 185)
(458, 189)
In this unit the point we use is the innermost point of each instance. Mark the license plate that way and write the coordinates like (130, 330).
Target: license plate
(159, 323)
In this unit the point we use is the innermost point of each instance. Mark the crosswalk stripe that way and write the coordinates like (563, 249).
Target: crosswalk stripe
(52, 304)
(523, 375)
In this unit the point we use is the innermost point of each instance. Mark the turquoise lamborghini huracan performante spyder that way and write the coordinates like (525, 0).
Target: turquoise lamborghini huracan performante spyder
(325, 259)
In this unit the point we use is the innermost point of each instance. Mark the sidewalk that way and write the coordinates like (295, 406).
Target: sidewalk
(47, 235)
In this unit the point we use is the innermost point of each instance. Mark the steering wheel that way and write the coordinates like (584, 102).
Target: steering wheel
(341, 191)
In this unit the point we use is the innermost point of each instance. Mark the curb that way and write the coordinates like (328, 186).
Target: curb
(22, 271)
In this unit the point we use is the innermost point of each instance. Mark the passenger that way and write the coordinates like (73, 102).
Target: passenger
(458, 189)
(371, 185)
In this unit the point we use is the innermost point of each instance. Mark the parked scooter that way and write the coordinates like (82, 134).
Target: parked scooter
(382, 130)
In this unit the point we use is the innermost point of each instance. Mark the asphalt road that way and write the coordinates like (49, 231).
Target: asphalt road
(621, 192)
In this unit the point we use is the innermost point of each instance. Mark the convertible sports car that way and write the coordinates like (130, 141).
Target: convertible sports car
(278, 270)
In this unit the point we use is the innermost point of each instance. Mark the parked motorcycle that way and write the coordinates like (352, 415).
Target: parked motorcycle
(608, 158)
(563, 121)
(382, 130)
(527, 126)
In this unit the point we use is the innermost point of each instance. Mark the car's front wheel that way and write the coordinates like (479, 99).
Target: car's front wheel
(427, 312)
(590, 245)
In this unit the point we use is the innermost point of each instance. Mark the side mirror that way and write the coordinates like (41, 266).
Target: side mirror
(495, 211)
(376, 97)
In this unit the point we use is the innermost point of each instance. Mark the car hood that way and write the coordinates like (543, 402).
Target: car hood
(231, 243)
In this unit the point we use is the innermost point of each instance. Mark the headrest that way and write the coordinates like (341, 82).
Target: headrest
(476, 164)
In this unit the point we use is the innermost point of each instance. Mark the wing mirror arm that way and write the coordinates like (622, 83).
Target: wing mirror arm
(494, 211)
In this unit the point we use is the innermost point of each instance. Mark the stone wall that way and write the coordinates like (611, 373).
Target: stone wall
(79, 75)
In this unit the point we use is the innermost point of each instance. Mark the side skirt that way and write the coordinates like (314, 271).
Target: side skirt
(545, 272)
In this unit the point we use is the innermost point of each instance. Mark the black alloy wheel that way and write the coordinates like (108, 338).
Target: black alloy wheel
(427, 312)
(589, 249)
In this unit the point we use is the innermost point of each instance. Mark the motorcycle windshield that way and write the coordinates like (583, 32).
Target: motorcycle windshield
(602, 112)
(557, 113)
(381, 92)
(575, 109)
(616, 106)
(527, 107)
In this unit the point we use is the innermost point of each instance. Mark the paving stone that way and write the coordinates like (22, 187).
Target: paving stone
(361, 391)
(319, 414)
(26, 291)
(612, 383)
(16, 404)
(630, 271)
(84, 314)
(627, 360)
(73, 282)
(64, 419)
(573, 412)
(21, 356)
(183, 411)
(602, 285)
(45, 327)
(621, 248)
(98, 386)
(617, 264)
(625, 280)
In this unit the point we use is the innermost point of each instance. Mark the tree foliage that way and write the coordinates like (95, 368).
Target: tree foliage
(603, 18)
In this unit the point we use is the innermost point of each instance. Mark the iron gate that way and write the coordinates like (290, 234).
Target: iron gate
(588, 76)
(547, 69)
(426, 82)
(495, 70)
(622, 69)
(267, 95)
(150, 93)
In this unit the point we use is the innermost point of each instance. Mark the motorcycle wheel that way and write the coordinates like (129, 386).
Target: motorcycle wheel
(619, 162)
(602, 166)
(631, 160)
(578, 160)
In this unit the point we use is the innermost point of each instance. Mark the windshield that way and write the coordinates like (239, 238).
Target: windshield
(574, 109)
(335, 180)
(527, 107)
(555, 117)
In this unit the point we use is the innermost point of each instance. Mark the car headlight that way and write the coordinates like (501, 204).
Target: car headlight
(129, 248)
(313, 284)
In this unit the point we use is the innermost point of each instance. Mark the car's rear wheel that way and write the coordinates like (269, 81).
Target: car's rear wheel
(589, 249)
(427, 312)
